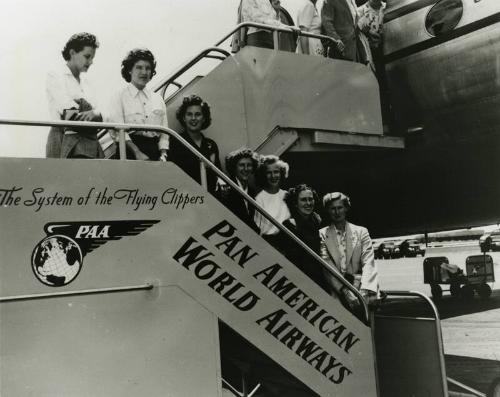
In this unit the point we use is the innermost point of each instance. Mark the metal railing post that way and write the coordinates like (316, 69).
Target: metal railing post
(203, 174)
(276, 40)
(121, 144)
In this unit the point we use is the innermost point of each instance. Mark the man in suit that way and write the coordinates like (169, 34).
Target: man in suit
(339, 20)
(348, 247)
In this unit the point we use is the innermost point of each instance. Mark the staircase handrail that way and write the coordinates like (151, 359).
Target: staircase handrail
(204, 163)
(205, 53)
(275, 29)
(187, 65)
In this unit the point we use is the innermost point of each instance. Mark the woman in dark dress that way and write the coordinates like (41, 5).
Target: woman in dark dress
(194, 116)
(304, 224)
(241, 165)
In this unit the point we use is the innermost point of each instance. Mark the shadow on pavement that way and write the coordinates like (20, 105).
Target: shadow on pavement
(474, 372)
(447, 306)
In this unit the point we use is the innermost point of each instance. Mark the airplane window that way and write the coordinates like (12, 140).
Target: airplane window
(444, 16)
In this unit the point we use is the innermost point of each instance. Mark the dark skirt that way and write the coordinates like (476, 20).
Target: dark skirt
(261, 39)
(54, 143)
(79, 145)
(147, 145)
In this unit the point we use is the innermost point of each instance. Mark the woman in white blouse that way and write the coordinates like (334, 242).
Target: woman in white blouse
(309, 20)
(136, 104)
(70, 97)
(259, 11)
(270, 176)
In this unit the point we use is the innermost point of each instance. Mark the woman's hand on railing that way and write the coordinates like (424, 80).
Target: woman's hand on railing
(370, 297)
(350, 298)
(222, 188)
(163, 155)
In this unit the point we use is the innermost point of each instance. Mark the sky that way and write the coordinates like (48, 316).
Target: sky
(34, 32)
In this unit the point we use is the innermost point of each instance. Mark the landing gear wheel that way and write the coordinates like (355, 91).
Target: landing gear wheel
(455, 289)
(467, 292)
(436, 291)
(484, 291)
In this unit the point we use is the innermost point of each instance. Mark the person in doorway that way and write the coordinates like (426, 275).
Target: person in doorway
(370, 22)
(136, 104)
(339, 20)
(308, 20)
(194, 116)
(70, 97)
(348, 247)
(259, 11)
(286, 41)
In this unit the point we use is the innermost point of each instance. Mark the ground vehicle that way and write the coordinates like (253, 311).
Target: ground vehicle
(479, 272)
(386, 250)
(490, 241)
(410, 248)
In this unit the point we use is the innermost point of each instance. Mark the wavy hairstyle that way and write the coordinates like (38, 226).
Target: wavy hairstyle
(292, 197)
(135, 55)
(329, 197)
(238, 154)
(260, 174)
(78, 42)
(194, 100)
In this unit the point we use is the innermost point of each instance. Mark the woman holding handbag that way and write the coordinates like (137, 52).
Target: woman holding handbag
(70, 98)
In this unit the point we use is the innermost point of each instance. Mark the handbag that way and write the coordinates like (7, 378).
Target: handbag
(71, 114)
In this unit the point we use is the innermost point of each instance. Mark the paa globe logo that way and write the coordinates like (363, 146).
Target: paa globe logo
(58, 258)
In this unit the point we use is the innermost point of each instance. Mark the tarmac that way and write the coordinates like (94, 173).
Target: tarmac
(470, 329)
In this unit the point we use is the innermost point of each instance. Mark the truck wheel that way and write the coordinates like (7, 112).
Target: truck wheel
(436, 291)
(455, 289)
(467, 292)
(486, 245)
(484, 291)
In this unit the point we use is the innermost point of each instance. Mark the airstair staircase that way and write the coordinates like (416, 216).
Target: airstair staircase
(128, 278)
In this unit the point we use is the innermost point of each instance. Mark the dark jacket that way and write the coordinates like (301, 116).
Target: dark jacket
(337, 22)
(236, 203)
(186, 160)
(306, 230)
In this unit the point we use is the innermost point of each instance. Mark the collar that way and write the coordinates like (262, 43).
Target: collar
(337, 231)
(187, 137)
(65, 70)
(134, 91)
(245, 189)
(381, 8)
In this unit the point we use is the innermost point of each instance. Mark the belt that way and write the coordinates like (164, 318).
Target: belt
(145, 134)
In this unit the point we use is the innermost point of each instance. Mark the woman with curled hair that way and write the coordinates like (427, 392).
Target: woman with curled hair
(136, 104)
(241, 165)
(349, 248)
(194, 116)
(270, 176)
(70, 97)
(304, 224)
